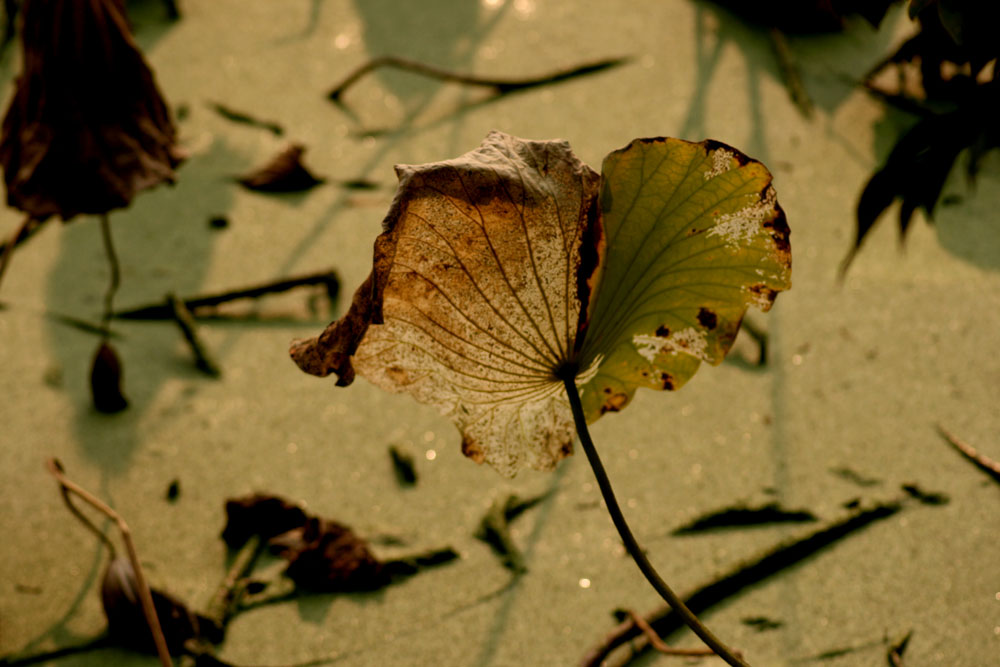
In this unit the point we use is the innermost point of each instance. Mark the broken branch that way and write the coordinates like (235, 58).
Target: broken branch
(500, 86)
(661, 646)
(968, 451)
(163, 310)
(145, 596)
(185, 321)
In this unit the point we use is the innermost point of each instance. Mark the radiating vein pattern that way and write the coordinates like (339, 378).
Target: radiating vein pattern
(694, 236)
(480, 305)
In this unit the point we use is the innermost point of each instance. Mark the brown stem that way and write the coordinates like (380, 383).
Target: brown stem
(661, 646)
(631, 545)
(145, 596)
(968, 451)
(185, 321)
(500, 85)
(744, 575)
(163, 310)
(115, 280)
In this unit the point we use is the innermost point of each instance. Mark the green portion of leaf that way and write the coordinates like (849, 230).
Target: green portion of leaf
(693, 235)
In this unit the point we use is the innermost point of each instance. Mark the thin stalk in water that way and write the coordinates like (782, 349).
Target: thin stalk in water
(631, 545)
(115, 280)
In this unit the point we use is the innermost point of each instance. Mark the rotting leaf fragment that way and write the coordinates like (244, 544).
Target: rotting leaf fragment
(503, 271)
(284, 173)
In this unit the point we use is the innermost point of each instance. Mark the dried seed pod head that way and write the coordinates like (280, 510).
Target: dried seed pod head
(106, 380)
(87, 127)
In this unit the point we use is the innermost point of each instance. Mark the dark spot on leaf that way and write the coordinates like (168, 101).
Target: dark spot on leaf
(667, 381)
(614, 403)
(763, 291)
(662, 331)
(707, 318)
(566, 449)
(472, 449)
(779, 230)
(398, 375)
(711, 146)
(607, 390)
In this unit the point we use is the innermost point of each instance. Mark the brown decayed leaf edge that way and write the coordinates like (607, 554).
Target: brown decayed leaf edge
(475, 286)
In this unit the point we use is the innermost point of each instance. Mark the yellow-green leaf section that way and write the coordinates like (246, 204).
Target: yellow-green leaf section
(693, 235)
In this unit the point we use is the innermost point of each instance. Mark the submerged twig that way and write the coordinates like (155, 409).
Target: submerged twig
(185, 321)
(500, 86)
(631, 545)
(981, 461)
(163, 310)
(494, 529)
(895, 655)
(660, 645)
(145, 596)
(225, 601)
(246, 119)
(743, 575)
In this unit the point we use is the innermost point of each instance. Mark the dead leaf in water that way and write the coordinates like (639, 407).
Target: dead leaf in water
(284, 173)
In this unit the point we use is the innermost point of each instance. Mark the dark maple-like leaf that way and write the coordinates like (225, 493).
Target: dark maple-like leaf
(87, 127)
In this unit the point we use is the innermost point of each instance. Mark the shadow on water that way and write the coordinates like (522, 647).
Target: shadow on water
(830, 64)
(163, 244)
(445, 33)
